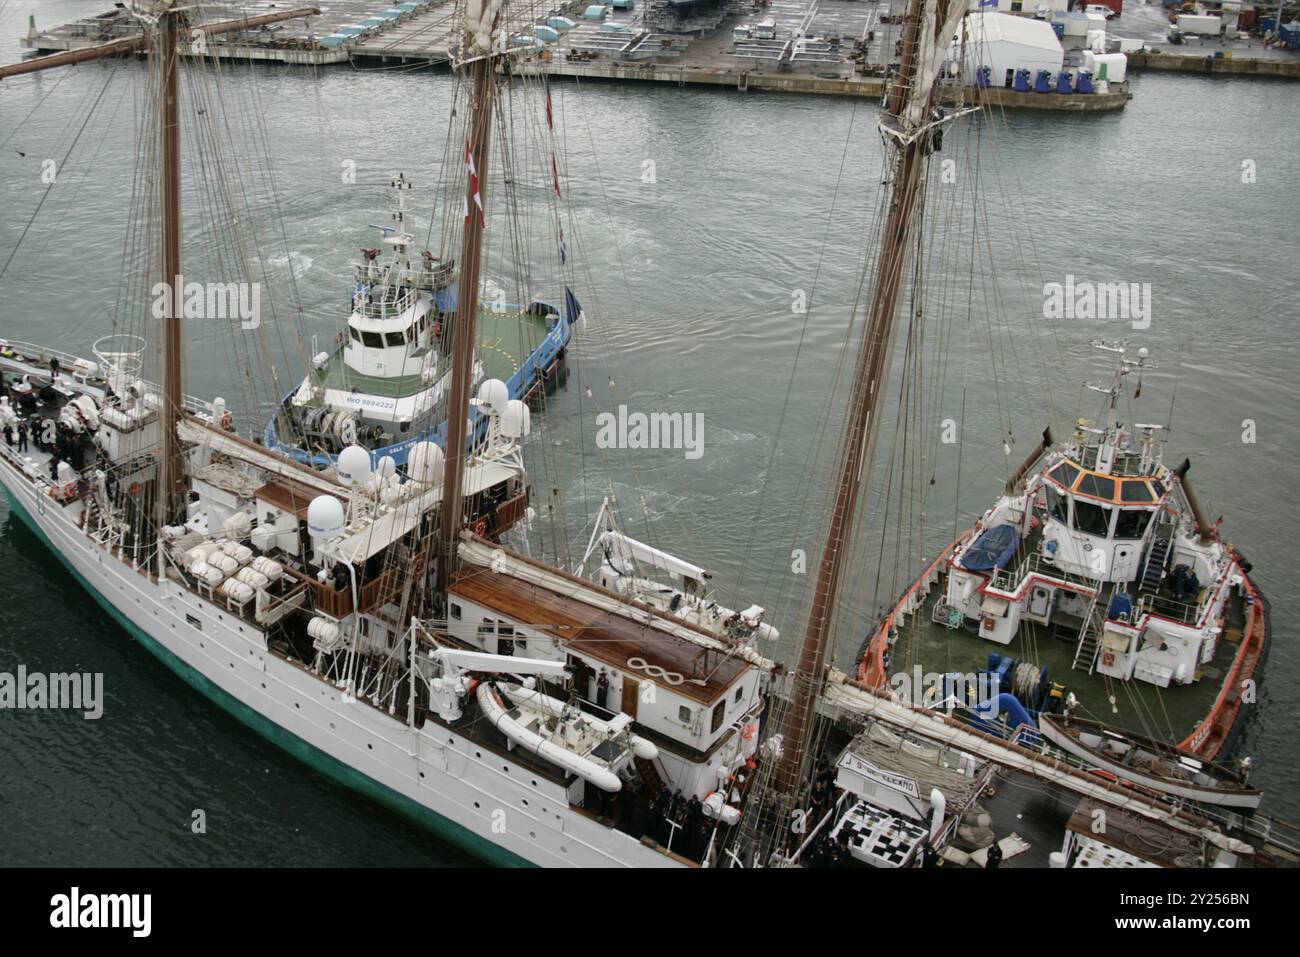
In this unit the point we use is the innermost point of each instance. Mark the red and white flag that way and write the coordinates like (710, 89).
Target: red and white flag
(473, 185)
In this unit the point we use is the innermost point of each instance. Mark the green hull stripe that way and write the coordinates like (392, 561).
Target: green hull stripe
(327, 764)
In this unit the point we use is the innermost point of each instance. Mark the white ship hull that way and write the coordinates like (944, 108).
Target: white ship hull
(477, 799)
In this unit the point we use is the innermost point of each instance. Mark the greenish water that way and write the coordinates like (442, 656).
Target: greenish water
(689, 282)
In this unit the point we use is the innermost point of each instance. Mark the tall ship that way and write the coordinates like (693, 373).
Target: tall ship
(378, 623)
(383, 384)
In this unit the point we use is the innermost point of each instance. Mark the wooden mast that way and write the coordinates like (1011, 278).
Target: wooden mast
(466, 321)
(905, 126)
(172, 486)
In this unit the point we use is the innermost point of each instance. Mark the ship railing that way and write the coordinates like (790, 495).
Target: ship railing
(390, 306)
(44, 354)
(437, 275)
(1260, 826)
(68, 364)
(1010, 579)
(1171, 608)
(272, 608)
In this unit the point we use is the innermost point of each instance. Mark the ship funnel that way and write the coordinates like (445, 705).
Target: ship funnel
(1034, 456)
(1202, 526)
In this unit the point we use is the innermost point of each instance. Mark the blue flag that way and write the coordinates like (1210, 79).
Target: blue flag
(572, 308)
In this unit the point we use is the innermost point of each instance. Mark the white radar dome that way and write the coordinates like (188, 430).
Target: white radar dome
(325, 517)
(354, 465)
(515, 419)
(493, 395)
(424, 464)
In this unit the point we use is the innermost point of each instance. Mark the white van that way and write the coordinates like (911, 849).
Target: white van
(743, 32)
(766, 30)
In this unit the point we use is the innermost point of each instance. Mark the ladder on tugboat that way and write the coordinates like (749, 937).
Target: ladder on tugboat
(1153, 570)
(1085, 652)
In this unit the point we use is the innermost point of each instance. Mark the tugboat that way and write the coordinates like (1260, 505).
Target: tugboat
(384, 384)
(1096, 564)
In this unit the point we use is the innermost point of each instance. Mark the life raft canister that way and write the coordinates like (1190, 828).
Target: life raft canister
(480, 527)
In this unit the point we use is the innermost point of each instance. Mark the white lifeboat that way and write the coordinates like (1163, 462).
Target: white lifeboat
(583, 733)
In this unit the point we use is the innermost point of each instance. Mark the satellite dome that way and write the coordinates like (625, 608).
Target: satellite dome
(515, 419)
(386, 466)
(325, 517)
(493, 394)
(424, 463)
(353, 465)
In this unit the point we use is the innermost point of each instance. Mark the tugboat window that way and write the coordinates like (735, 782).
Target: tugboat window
(1057, 505)
(373, 339)
(356, 334)
(718, 712)
(396, 339)
(1065, 473)
(1136, 492)
(1098, 485)
(1092, 519)
(1132, 523)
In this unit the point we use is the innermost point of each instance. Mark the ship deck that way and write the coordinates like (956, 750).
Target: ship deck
(1168, 714)
(506, 339)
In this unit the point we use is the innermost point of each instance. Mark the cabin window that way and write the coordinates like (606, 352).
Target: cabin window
(1132, 523)
(455, 612)
(356, 334)
(1058, 506)
(1136, 492)
(505, 638)
(372, 340)
(719, 712)
(395, 339)
(740, 694)
(1092, 519)
(684, 714)
(1097, 485)
(1065, 473)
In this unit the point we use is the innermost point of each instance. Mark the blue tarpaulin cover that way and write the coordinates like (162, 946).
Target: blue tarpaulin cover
(993, 549)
